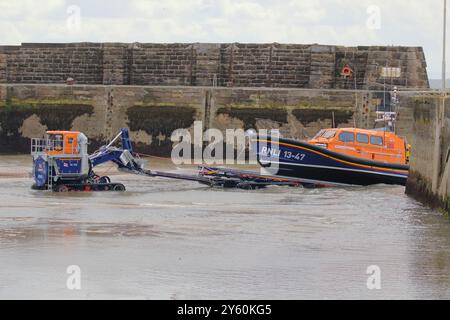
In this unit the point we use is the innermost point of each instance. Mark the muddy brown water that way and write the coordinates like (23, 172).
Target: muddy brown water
(167, 239)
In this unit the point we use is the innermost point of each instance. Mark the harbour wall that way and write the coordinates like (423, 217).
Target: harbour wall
(429, 179)
(271, 65)
(152, 113)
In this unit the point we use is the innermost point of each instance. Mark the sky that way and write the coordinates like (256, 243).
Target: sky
(333, 22)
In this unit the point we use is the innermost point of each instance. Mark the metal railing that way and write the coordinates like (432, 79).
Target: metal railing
(51, 146)
(38, 146)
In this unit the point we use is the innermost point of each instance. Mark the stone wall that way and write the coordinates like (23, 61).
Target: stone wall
(425, 159)
(153, 113)
(206, 64)
(53, 63)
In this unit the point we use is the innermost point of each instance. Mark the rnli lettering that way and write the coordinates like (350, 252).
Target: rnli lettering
(270, 152)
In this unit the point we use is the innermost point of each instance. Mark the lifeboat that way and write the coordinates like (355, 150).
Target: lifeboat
(344, 156)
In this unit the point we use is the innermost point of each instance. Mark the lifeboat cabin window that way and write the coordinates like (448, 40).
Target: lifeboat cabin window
(378, 141)
(362, 138)
(319, 134)
(329, 134)
(347, 137)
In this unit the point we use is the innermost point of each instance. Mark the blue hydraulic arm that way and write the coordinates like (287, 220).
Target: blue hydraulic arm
(126, 143)
(121, 156)
(105, 155)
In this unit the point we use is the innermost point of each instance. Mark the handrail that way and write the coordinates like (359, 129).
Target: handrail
(51, 146)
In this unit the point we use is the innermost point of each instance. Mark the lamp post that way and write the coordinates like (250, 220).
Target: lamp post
(440, 113)
(444, 80)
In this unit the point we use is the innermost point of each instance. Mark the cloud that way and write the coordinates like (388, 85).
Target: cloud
(25, 9)
(339, 22)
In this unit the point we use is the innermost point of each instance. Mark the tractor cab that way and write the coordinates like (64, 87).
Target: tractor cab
(63, 142)
(61, 155)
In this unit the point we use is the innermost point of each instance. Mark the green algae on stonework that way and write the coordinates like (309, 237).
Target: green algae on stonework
(249, 116)
(306, 116)
(55, 116)
(325, 105)
(447, 208)
(157, 120)
(34, 103)
(161, 104)
(256, 104)
(319, 104)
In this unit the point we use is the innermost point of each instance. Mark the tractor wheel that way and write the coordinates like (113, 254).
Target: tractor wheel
(35, 187)
(62, 188)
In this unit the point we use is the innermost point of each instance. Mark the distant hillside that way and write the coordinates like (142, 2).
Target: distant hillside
(437, 83)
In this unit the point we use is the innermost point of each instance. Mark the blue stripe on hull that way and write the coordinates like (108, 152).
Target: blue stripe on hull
(310, 163)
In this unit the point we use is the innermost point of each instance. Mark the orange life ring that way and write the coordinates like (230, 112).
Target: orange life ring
(347, 71)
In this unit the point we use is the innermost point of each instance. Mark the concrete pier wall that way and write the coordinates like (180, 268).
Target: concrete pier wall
(153, 113)
(429, 179)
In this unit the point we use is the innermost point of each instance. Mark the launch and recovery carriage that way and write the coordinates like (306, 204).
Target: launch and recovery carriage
(61, 163)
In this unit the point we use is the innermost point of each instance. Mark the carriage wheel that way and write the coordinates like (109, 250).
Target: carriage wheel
(119, 187)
